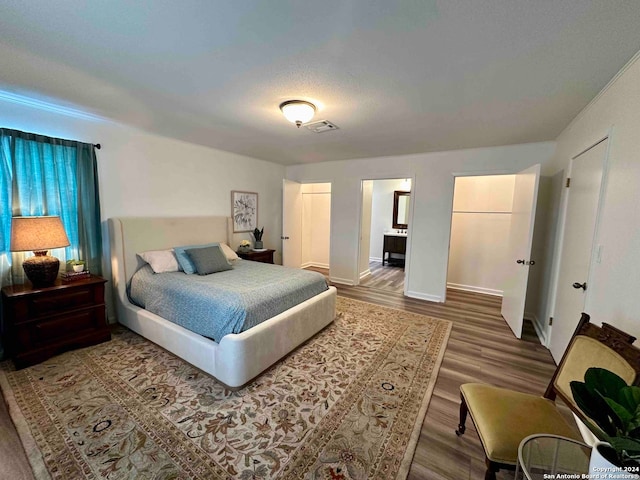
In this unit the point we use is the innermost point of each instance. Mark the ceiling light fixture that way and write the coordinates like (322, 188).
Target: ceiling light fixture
(298, 111)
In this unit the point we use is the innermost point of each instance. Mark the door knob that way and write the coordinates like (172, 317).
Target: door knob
(580, 285)
(531, 262)
(520, 261)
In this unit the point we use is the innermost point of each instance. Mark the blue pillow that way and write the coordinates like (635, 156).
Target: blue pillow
(183, 258)
(209, 260)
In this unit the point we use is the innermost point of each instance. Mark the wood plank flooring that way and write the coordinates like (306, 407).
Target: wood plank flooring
(389, 277)
(481, 348)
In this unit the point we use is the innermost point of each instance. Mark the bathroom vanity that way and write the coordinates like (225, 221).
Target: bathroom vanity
(394, 248)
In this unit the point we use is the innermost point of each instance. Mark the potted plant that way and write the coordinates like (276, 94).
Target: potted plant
(257, 234)
(75, 265)
(614, 406)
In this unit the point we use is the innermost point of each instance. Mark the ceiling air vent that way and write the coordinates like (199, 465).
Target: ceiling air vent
(321, 126)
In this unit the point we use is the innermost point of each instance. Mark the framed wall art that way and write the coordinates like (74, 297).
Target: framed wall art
(244, 211)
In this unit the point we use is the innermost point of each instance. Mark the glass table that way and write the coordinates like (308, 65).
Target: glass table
(542, 456)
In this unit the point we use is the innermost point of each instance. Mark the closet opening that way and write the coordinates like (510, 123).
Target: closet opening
(486, 245)
(315, 244)
(479, 241)
(384, 233)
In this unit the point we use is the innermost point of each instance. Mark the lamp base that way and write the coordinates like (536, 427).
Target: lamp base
(41, 270)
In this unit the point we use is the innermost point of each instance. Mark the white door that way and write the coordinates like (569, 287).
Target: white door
(525, 196)
(291, 224)
(577, 246)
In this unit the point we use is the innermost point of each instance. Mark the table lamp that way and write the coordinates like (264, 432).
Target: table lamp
(38, 234)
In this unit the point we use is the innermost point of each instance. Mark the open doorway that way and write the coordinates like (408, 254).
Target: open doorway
(316, 227)
(479, 242)
(486, 211)
(306, 225)
(384, 230)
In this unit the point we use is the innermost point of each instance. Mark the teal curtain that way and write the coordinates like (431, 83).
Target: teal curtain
(49, 176)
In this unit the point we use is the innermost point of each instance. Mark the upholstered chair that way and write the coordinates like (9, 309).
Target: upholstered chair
(503, 418)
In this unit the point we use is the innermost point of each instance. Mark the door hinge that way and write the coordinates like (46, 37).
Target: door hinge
(550, 321)
(568, 184)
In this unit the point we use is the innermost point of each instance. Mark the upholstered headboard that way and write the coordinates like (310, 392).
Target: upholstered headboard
(131, 235)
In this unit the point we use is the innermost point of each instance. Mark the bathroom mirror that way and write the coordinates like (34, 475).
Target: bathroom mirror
(401, 209)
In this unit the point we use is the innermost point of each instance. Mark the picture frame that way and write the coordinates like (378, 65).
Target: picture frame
(244, 211)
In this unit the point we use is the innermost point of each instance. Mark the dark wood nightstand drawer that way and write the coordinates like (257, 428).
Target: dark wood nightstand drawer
(62, 326)
(51, 303)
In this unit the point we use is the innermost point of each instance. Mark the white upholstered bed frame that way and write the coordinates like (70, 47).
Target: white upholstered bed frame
(237, 358)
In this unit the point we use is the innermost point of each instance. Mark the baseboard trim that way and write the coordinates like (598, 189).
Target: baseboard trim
(315, 264)
(474, 289)
(342, 281)
(319, 265)
(365, 274)
(424, 296)
(375, 259)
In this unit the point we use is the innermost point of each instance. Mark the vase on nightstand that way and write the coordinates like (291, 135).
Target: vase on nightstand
(258, 245)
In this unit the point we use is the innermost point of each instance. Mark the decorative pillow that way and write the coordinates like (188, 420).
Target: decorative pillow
(230, 254)
(183, 259)
(161, 261)
(209, 260)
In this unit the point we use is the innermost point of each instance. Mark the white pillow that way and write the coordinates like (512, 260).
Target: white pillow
(228, 252)
(161, 261)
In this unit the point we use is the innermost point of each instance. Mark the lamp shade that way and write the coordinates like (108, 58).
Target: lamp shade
(37, 234)
(298, 111)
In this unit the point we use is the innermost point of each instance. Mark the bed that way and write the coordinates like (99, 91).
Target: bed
(237, 357)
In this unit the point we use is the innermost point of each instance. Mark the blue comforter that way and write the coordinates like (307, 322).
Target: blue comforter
(225, 302)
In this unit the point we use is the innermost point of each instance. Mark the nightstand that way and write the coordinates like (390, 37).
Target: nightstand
(264, 257)
(40, 322)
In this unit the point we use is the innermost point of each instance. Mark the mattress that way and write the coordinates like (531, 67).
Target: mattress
(225, 302)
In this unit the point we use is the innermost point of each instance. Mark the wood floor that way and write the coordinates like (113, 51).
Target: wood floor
(481, 348)
(389, 278)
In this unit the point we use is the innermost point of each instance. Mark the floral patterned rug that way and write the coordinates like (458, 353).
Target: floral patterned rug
(348, 404)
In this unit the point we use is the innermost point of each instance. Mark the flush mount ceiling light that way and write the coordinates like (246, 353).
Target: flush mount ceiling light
(298, 111)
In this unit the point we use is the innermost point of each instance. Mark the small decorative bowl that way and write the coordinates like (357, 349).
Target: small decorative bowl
(78, 268)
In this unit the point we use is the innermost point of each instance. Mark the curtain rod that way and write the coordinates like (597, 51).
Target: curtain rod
(97, 145)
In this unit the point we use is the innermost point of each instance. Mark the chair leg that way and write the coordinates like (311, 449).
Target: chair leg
(492, 469)
(463, 416)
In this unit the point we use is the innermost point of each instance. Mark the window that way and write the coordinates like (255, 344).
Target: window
(49, 176)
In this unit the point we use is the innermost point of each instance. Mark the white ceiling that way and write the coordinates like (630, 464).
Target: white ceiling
(397, 77)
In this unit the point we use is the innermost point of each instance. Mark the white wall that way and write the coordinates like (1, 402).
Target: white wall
(480, 233)
(316, 224)
(432, 177)
(365, 229)
(382, 213)
(144, 174)
(612, 296)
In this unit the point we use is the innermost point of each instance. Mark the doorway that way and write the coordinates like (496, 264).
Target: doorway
(579, 248)
(306, 238)
(479, 242)
(384, 232)
(492, 233)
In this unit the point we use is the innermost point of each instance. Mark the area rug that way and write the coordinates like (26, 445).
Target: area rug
(348, 404)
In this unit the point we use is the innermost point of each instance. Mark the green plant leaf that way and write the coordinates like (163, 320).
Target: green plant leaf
(629, 398)
(624, 417)
(629, 445)
(607, 383)
(593, 405)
